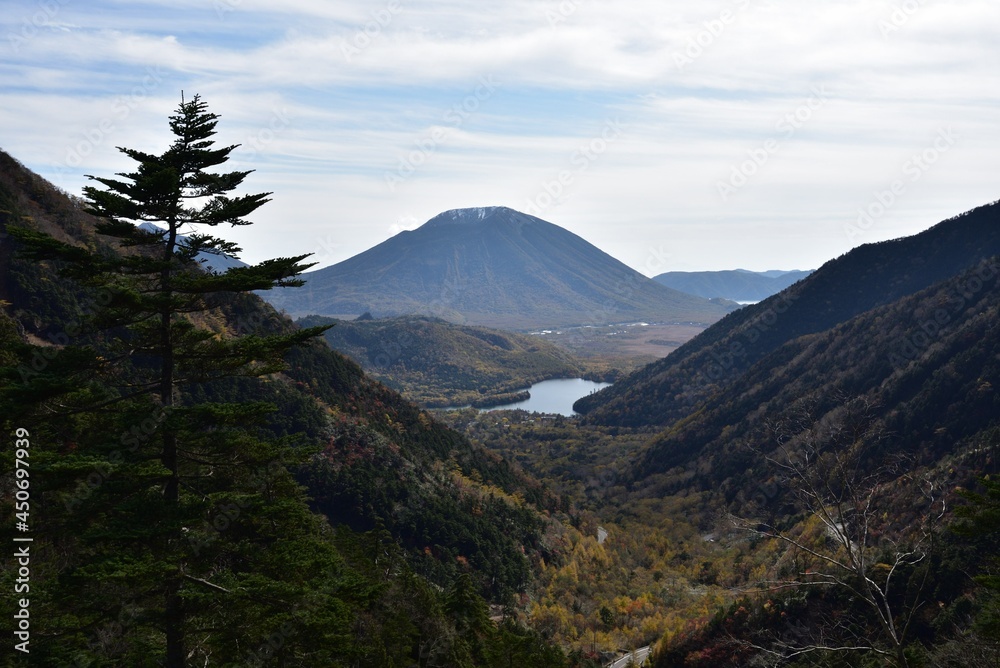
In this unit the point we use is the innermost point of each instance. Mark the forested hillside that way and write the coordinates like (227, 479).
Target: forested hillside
(436, 363)
(390, 554)
(828, 435)
(847, 456)
(869, 276)
(926, 368)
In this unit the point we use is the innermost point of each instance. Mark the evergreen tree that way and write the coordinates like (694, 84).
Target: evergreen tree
(197, 532)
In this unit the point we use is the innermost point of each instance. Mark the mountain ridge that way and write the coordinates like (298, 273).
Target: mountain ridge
(739, 285)
(936, 347)
(864, 278)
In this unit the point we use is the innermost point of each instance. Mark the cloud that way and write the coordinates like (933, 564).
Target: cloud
(405, 223)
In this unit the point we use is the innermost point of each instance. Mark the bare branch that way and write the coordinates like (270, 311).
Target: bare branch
(206, 583)
(827, 464)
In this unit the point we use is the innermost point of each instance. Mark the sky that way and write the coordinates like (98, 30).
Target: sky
(676, 136)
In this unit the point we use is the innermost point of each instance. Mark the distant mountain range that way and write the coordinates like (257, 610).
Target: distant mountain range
(496, 267)
(738, 285)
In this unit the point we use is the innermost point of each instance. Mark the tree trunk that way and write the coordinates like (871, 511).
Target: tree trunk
(173, 609)
(174, 625)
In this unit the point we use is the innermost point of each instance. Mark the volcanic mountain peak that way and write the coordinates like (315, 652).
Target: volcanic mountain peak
(492, 266)
(478, 215)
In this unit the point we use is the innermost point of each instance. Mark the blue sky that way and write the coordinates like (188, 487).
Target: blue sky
(676, 136)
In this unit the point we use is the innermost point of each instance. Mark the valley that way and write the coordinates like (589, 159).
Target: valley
(626, 346)
(438, 364)
(718, 455)
(713, 503)
(548, 334)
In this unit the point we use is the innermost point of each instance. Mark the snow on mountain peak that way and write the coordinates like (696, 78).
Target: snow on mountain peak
(473, 215)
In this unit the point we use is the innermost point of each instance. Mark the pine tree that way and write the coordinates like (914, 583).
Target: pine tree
(198, 532)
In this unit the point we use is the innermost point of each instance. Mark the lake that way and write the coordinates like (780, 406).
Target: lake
(554, 396)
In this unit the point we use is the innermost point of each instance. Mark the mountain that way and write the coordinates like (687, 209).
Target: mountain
(739, 285)
(494, 267)
(372, 419)
(850, 414)
(886, 359)
(867, 277)
(436, 363)
(926, 368)
(215, 263)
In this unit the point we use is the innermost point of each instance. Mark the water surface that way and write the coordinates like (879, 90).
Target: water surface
(554, 396)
